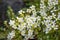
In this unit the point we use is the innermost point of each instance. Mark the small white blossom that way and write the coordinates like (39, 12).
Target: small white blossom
(29, 10)
(20, 19)
(21, 11)
(20, 27)
(12, 22)
(14, 26)
(11, 35)
(30, 33)
(32, 7)
(59, 15)
(47, 30)
(53, 15)
(23, 33)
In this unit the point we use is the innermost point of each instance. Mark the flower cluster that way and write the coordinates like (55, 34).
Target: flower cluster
(49, 16)
(26, 22)
(30, 21)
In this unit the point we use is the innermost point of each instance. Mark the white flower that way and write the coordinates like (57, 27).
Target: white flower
(30, 33)
(38, 18)
(14, 26)
(53, 15)
(56, 1)
(12, 22)
(34, 13)
(42, 6)
(43, 13)
(20, 19)
(11, 35)
(46, 21)
(47, 30)
(20, 27)
(49, 17)
(21, 11)
(33, 18)
(23, 32)
(32, 7)
(59, 15)
(26, 37)
(29, 10)
(50, 2)
(29, 21)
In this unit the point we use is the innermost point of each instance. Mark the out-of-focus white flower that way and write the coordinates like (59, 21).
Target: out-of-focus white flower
(59, 15)
(32, 7)
(43, 13)
(52, 2)
(53, 15)
(30, 33)
(11, 35)
(12, 22)
(20, 27)
(34, 13)
(20, 19)
(21, 11)
(47, 30)
(38, 18)
(46, 21)
(33, 18)
(29, 10)
(42, 6)
(14, 27)
(56, 1)
(29, 20)
(49, 17)
(55, 9)
(26, 37)
(23, 32)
